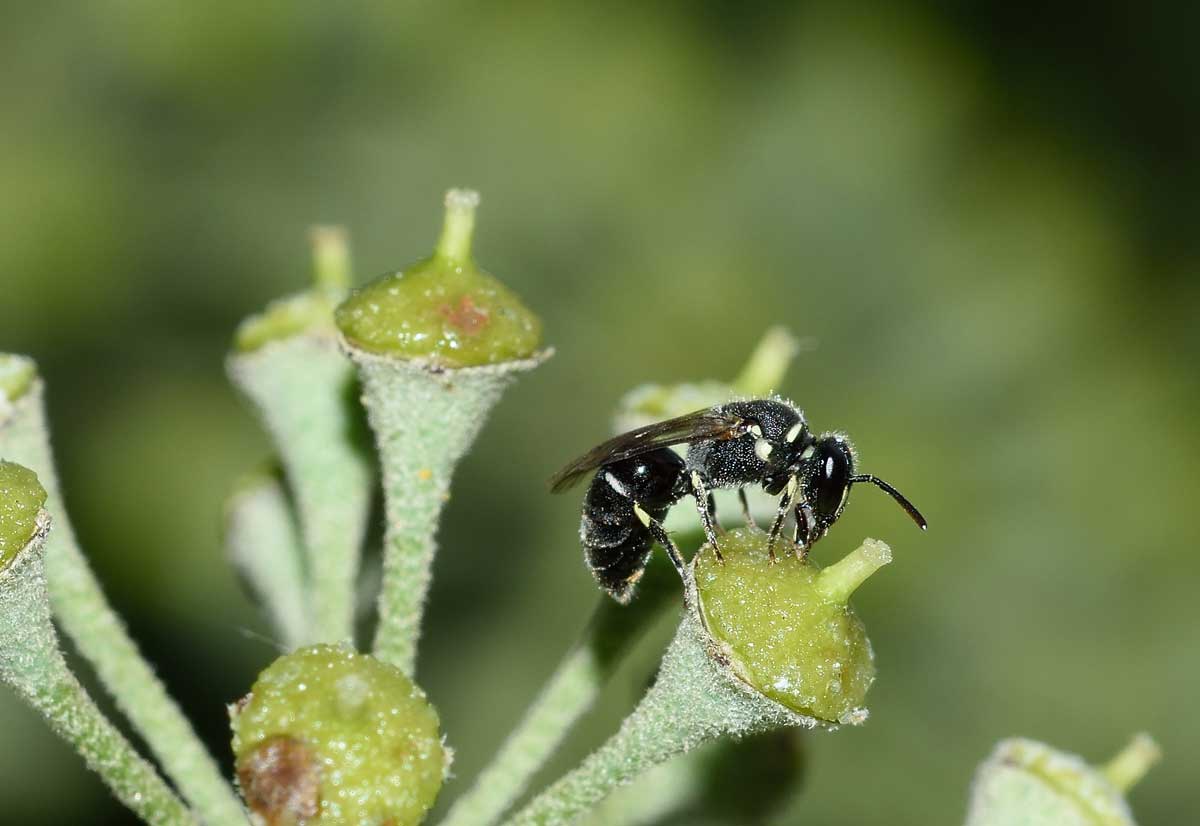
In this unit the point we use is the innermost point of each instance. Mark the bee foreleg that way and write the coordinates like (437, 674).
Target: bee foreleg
(785, 503)
(802, 532)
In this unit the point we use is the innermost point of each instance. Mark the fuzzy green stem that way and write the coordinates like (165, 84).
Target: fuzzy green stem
(424, 420)
(33, 666)
(1132, 763)
(459, 225)
(768, 363)
(331, 257)
(842, 578)
(570, 692)
(98, 633)
(264, 546)
(303, 389)
(692, 702)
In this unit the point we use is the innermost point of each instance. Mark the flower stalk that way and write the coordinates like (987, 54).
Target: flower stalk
(435, 345)
(83, 612)
(265, 548)
(32, 665)
(569, 693)
(693, 701)
(288, 364)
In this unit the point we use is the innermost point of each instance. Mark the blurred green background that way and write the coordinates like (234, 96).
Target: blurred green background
(985, 217)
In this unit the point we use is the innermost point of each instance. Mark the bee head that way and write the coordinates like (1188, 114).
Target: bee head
(828, 476)
(825, 479)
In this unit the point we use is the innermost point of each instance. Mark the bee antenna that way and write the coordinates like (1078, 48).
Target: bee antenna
(909, 507)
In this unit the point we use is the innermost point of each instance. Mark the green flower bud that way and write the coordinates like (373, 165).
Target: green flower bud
(16, 376)
(1032, 784)
(444, 310)
(785, 628)
(21, 499)
(328, 736)
(760, 376)
(310, 311)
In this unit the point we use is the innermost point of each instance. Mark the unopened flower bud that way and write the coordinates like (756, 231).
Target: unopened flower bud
(309, 311)
(1027, 783)
(444, 310)
(330, 737)
(785, 627)
(21, 499)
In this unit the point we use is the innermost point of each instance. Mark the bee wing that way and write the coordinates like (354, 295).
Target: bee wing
(691, 427)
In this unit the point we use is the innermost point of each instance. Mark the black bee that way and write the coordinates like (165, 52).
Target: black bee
(766, 442)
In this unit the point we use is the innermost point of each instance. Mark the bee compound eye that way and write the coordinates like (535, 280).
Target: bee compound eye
(832, 482)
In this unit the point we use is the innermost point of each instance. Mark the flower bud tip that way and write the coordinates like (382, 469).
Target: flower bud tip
(768, 363)
(459, 225)
(331, 257)
(1132, 762)
(842, 578)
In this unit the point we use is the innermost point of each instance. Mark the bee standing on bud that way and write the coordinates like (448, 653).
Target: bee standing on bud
(638, 478)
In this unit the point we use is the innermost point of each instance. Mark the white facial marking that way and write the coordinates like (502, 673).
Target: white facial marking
(696, 483)
(808, 452)
(615, 484)
(794, 433)
(793, 483)
(762, 449)
(829, 466)
(642, 516)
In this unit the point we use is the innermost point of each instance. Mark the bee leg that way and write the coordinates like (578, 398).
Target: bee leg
(712, 512)
(749, 517)
(802, 532)
(662, 538)
(785, 503)
(704, 508)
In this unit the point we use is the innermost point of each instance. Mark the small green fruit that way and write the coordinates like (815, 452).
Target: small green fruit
(310, 311)
(1027, 783)
(444, 310)
(16, 376)
(331, 737)
(785, 628)
(21, 498)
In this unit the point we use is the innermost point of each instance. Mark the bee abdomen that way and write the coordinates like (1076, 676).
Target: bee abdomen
(616, 540)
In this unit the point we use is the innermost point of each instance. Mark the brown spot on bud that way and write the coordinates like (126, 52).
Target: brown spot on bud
(281, 781)
(466, 316)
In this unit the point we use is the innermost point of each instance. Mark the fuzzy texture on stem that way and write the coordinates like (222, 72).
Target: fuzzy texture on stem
(693, 701)
(32, 665)
(424, 419)
(100, 636)
(264, 546)
(571, 691)
(303, 389)
(744, 781)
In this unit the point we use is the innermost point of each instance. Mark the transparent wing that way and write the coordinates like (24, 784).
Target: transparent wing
(691, 427)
